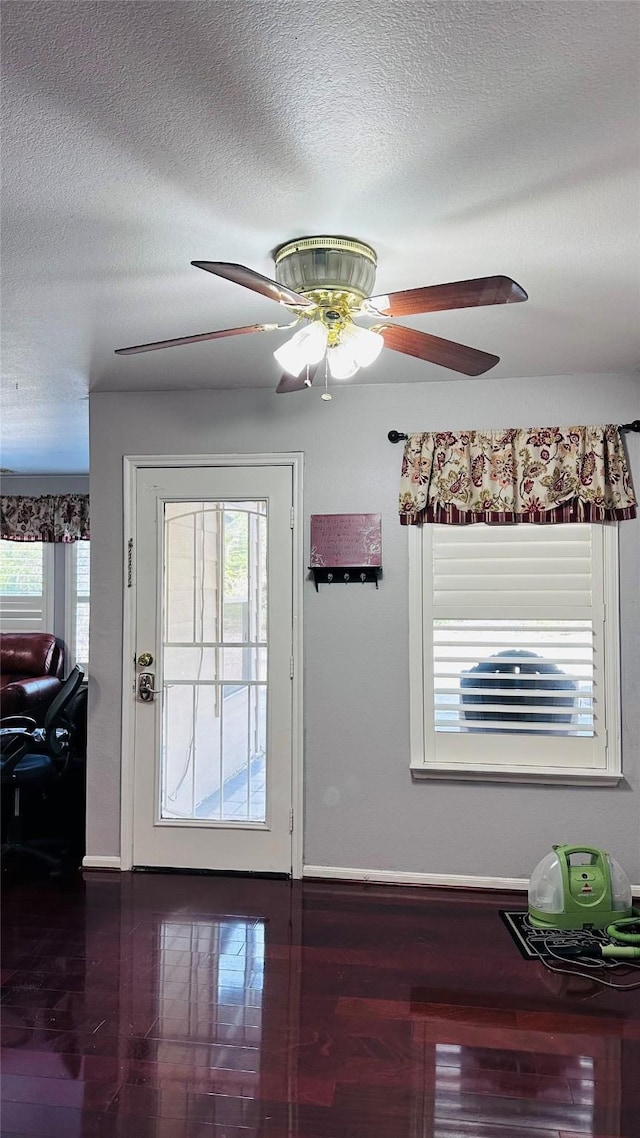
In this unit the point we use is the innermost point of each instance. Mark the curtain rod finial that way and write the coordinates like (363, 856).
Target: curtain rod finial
(395, 436)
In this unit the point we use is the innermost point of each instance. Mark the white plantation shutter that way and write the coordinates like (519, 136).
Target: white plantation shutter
(83, 555)
(26, 602)
(513, 648)
(523, 567)
(76, 633)
(521, 644)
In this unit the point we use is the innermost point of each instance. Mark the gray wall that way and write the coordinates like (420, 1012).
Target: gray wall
(35, 485)
(362, 808)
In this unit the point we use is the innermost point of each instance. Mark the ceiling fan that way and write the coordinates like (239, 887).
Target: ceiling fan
(326, 284)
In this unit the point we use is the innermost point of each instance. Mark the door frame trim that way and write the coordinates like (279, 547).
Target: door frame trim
(131, 465)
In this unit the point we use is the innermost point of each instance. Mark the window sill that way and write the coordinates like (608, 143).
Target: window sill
(542, 776)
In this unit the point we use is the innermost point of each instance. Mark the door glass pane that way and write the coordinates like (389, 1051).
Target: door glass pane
(214, 661)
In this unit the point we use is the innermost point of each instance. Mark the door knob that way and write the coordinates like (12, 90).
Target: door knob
(145, 659)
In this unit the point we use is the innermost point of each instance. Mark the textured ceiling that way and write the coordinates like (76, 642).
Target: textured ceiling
(459, 139)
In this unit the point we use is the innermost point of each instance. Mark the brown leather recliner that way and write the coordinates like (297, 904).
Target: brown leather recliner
(31, 666)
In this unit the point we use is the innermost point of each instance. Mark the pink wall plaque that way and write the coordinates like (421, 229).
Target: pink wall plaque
(346, 539)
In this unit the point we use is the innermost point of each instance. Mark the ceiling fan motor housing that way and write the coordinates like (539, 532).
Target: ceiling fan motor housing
(327, 264)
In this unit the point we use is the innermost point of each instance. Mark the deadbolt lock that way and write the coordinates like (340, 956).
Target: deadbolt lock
(145, 659)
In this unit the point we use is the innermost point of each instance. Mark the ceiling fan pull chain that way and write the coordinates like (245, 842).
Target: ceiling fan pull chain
(326, 394)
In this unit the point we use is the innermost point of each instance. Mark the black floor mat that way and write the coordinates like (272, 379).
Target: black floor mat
(534, 944)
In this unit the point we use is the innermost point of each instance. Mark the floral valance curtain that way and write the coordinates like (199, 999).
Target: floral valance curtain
(540, 474)
(53, 517)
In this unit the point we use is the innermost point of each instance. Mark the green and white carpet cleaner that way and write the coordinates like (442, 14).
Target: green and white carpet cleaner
(582, 887)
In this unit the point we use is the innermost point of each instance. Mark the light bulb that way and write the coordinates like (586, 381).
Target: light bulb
(364, 345)
(306, 347)
(342, 364)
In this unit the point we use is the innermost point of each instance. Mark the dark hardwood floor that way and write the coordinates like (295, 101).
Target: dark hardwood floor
(177, 1006)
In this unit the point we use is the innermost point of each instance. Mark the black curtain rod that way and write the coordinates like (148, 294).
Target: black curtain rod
(396, 436)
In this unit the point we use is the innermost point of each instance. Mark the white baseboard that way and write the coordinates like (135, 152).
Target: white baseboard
(378, 876)
(398, 877)
(446, 880)
(98, 861)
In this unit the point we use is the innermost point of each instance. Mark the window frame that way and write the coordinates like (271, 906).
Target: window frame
(424, 765)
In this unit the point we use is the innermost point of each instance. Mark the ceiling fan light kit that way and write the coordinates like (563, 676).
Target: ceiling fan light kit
(328, 282)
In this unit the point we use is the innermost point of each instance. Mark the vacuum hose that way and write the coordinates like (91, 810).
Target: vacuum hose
(625, 931)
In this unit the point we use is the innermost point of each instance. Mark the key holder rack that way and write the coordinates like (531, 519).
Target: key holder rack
(346, 548)
(330, 574)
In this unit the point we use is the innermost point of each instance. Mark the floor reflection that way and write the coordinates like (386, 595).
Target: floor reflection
(468, 1080)
(221, 985)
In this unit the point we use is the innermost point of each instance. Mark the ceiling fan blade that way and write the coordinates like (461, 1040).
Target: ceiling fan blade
(196, 339)
(241, 275)
(445, 353)
(297, 382)
(441, 298)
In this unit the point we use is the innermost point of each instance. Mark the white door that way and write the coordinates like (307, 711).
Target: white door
(213, 729)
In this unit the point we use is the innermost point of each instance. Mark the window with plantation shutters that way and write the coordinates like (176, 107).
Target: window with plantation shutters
(514, 652)
(44, 587)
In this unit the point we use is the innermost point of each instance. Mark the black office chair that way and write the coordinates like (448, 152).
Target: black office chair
(33, 758)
